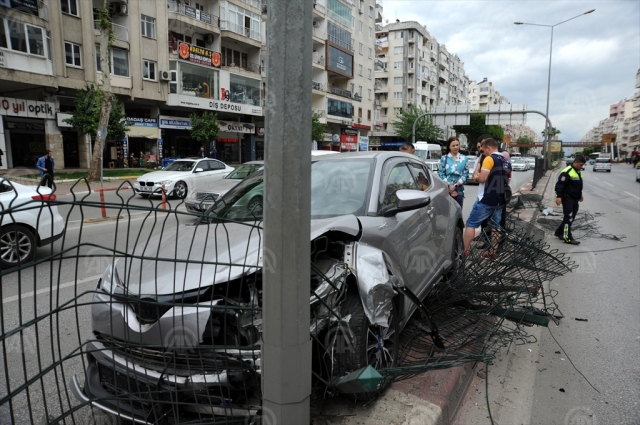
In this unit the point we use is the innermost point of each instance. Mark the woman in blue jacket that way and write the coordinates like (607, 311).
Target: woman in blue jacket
(453, 169)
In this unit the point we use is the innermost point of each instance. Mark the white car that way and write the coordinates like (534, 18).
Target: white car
(531, 162)
(28, 219)
(602, 164)
(181, 176)
(519, 164)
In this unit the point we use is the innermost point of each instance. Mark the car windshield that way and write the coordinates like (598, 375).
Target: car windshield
(243, 171)
(337, 188)
(603, 160)
(180, 166)
(517, 160)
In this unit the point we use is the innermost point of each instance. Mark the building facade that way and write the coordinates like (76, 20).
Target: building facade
(168, 59)
(483, 94)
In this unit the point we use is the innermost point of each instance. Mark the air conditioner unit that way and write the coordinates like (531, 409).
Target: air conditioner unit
(165, 75)
(359, 119)
(360, 11)
(208, 38)
(316, 24)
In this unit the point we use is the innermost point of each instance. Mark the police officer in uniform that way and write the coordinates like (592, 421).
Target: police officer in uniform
(569, 193)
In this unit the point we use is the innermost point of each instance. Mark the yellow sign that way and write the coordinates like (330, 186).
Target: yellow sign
(556, 147)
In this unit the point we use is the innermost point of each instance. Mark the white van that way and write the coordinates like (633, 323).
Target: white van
(428, 151)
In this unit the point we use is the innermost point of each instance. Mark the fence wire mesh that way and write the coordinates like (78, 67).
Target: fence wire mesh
(155, 315)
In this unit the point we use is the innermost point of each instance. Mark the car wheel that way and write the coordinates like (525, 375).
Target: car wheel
(457, 253)
(17, 245)
(366, 344)
(255, 203)
(144, 195)
(180, 190)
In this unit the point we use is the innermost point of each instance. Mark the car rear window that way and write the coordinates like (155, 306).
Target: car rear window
(603, 160)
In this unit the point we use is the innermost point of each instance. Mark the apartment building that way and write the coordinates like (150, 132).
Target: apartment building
(483, 94)
(413, 69)
(343, 66)
(169, 59)
(515, 131)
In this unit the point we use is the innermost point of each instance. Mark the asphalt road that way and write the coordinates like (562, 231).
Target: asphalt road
(537, 383)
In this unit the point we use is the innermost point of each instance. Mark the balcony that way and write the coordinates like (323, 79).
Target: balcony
(317, 85)
(319, 7)
(318, 59)
(340, 42)
(253, 3)
(380, 87)
(378, 103)
(319, 112)
(43, 10)
(193, 13)
(340, 92)
(357, 97)
(318, 33)
(348, 23)
(120, 32)
(240, 29)
(242, 64)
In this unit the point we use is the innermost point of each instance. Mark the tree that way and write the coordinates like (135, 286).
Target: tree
(425, 129)
(554, 132)
(524, 140)
(317, 128)
(204, 127)
(477, 127)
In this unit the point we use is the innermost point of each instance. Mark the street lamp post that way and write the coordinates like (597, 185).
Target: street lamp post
(546, 147)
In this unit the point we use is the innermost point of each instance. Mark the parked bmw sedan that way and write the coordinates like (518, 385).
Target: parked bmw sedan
(177, 325)
(28, 220)
(205, 196)
(519, 164)
(181, 176)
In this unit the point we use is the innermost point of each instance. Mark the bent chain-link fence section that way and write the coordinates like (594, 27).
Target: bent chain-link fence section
(155, 314)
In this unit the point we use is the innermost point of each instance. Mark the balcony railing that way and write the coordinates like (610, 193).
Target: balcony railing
(253, 3)
(340, 42)
(193, 13)
(43, 10)
(120, 32)
(318, 58)
(357, 97)
(242, 64)
(341, 92)
(378, 103)
(239, 29)
(339, 19)
(319, 7)
(319, 112)
(317, 85)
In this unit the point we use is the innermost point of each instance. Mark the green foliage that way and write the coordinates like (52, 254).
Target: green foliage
(524, 140)
(554, 131)
(104, 23)
(588, 151)
(317, 128)
(86, 116)
(204, 127)
(425, 129)
(477, 127)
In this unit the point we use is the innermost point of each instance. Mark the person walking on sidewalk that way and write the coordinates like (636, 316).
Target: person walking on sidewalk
(453, 169)
(46, 165)
(568, 194)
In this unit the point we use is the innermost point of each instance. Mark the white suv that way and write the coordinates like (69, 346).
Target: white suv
(602, 164)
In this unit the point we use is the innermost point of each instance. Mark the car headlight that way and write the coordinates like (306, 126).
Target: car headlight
(165, 182)
(111, 282)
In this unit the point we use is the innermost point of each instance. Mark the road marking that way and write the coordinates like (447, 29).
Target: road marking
(50, 289)
(608, 184)
(630, 194)
(596, 178)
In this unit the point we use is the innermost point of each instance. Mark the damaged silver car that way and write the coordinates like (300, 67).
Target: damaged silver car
(177, 323)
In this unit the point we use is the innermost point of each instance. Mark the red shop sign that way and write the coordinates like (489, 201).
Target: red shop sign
(227, 140)
(362, 126)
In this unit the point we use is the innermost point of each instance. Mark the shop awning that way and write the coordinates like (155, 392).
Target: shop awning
(145, 132)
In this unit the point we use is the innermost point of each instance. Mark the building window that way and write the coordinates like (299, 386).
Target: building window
(397, 80)
(69, 7)
(369, 73)
(360, 26)
(36, 40)
(398, 34)
(371, 33)
(360, 69)
(338, 35)
(244, 90)
(369, 114)
(397, 50)
(339, 108)
(148, 70)
(369, 93)
(341, 12)
(148, 26)
(370, 53)
(371, 11)
(397, 95)
(360, 91)
(194, 80)
(359, 112)
(119, 62)
(397, 65)
(360, 48)
(397, 111)
(72, 54)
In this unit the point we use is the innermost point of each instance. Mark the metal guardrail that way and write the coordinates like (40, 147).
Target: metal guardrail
(340, 92)
(538, 172)
(193, 13)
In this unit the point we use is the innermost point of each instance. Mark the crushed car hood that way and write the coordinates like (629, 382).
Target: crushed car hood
(176, 261)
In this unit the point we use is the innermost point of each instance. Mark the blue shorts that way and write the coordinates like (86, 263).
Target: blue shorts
(480, 212)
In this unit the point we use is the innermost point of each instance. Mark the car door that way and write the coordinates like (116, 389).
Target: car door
(408, 237)
(217, 170)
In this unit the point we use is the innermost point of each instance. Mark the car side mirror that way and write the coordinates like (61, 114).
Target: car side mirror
(198, 170)
(408, 200)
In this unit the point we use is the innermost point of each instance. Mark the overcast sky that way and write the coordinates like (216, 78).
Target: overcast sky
(595, 56)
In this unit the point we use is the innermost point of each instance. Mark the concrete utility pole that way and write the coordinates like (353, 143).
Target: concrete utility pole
(286, 347)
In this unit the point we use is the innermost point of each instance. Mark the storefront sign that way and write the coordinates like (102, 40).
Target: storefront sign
(177, 123)
(26, 108)
(335, 138)
(392, 144)
(260, 131)
(237, 127)
(328, 137)
(198, 55)
(60, 117)
(142, 122)
(339, 61)
(364, 143)
(349, 131)
(2, 62)
(143, 127)
(160, 148)
(125, 147)
(348, 142)
(227, 140)
(212, 105)
(362, 126)
(28, 6)
(379, 123)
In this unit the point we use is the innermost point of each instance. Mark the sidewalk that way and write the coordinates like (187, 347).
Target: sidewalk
(63, 186)
(432, 398)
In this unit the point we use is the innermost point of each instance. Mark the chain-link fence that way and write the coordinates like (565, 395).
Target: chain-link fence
(155, 314)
